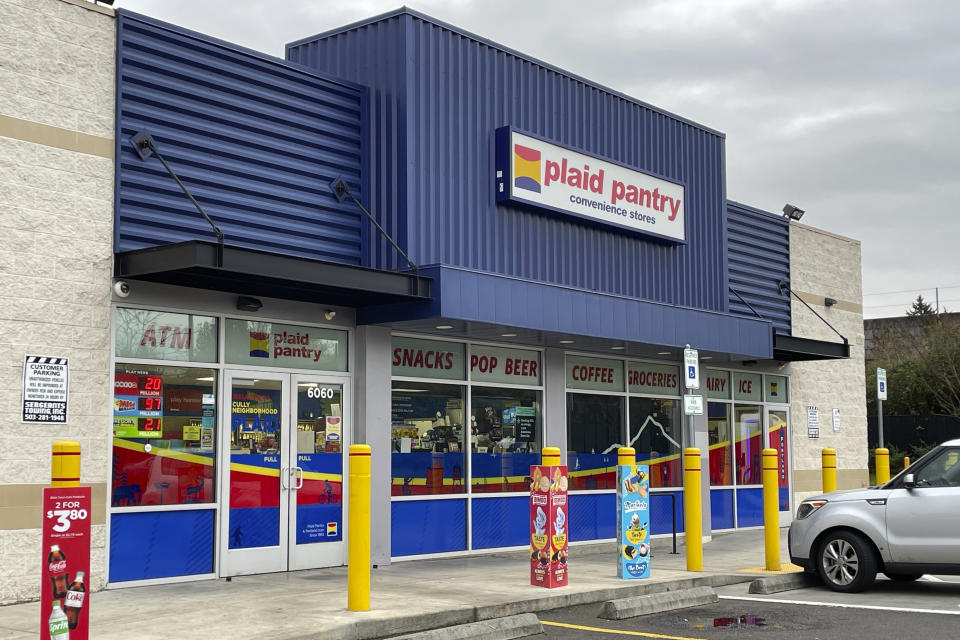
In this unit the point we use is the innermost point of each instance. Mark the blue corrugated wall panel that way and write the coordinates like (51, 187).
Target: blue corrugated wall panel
(256, 139)
(758, 259)
(440, 93)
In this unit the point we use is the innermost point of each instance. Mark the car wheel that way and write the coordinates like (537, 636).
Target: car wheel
(846, 562)
(903, 577)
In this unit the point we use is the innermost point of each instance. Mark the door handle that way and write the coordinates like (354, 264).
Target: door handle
(283, 473)
(298, 472)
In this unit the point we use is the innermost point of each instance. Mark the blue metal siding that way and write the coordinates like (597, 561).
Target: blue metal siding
(255, 139)
(510, 302)
(450, 92)
(376, 51)
(758, 259)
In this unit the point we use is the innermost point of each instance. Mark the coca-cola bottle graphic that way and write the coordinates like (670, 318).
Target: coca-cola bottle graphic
(57, 568)
(74, 602)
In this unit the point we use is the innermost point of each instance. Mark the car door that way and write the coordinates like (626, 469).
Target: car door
(923, 521)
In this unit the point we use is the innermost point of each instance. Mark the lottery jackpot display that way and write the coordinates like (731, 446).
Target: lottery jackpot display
(137, 405)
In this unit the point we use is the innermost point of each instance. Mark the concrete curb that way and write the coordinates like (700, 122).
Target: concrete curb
(560, 599)
(508, 628)
(786, 582)
(373, 629)
(657, 603)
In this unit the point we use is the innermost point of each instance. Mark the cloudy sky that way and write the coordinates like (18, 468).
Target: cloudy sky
(849, 110)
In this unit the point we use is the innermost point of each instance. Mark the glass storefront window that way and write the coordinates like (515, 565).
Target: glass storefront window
(505, 427)
(158, 335)
(775, 389)
(748, 422)
(656, 432)
(164, 435)
(717, 384)
(594, 432)
(721, 449)
(427, 439)
(271, 344)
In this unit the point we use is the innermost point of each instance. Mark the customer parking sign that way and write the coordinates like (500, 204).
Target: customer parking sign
(45, 389)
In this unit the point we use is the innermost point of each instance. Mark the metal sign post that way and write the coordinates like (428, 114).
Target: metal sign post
(691, 376)
(881, 396)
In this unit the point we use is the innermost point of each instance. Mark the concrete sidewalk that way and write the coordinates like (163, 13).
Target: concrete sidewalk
(406, 596)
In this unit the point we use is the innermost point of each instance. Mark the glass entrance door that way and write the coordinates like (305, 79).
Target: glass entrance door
(778, 437)
(281, 496)
(317, 446)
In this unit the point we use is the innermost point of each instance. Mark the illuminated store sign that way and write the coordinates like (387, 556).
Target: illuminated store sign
(545, 175)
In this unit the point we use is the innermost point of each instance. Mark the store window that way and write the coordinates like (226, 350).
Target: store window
(158, 335)
(164, 435)
(721, 447)
(656, 432)
(594, 432)
(748, 425)
(775, 389)
(505, 427)
(271, 344)
(427, 439)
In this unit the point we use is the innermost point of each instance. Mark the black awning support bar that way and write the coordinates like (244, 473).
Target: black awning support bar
(749, 306)
(812, 310)
(341, 191)
(146, 147)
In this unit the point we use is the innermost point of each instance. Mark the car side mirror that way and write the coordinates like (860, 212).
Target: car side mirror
(908, 481)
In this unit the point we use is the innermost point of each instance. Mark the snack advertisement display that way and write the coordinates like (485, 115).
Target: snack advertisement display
(549, 528)
(633, 521)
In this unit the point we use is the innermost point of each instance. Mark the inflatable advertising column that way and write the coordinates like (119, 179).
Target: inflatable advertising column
(633, 521)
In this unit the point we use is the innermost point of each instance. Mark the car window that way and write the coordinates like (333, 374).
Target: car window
(942, 471)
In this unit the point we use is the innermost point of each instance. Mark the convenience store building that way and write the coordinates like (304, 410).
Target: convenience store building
(544, 248)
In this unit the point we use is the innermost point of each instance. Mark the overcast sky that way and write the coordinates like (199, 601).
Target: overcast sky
(849, 110)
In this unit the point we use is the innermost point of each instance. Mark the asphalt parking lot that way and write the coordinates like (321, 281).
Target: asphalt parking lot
(887, 610)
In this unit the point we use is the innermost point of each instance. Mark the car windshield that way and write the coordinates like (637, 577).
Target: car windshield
(895, 481)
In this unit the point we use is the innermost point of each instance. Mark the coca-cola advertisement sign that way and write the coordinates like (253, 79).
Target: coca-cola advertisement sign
(64, 591)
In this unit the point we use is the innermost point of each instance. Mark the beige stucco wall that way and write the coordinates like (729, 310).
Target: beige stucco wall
(56, 218)
(825, 265)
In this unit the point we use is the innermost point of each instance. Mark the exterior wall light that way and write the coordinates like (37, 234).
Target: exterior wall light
(829, 302)
(792, 212)
(246, 303)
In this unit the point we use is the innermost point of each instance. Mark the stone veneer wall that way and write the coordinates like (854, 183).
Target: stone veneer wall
(57, 93)
(825, 265)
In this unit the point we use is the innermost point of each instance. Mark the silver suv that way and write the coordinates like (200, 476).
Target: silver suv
(905, 528)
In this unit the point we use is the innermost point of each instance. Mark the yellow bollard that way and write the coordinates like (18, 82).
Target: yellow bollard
(550, 457)
(358, 550)
(692, 508)
(626, 455)
(65, 464)
(829, 472)
(883, 466)
(771, 508)
(906, 461)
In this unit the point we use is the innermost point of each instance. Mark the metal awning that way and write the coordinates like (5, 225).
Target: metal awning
(206, 265)
(792, 349)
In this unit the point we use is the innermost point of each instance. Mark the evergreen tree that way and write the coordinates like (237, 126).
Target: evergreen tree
(920, 307)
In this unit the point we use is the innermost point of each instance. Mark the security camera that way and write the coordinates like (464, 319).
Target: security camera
(121, 288)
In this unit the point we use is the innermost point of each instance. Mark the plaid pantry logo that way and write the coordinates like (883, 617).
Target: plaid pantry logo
(259, 344)
(526, 168)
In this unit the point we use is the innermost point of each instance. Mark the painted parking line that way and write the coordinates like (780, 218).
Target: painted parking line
(842, 606)
(616, 631)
